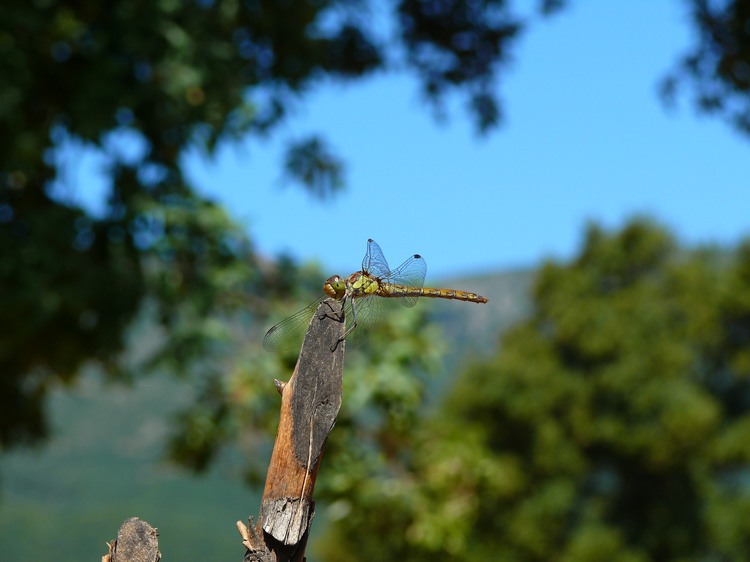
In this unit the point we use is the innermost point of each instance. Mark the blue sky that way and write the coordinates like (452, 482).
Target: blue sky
(585, 137)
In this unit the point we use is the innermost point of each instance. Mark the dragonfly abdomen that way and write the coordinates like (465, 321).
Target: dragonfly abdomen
(396, 291)
(452, 294)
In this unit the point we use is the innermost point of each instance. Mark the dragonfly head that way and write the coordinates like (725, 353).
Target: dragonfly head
(334, 287)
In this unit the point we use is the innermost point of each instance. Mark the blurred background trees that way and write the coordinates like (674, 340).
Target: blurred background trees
(610, 424)
(172, 75)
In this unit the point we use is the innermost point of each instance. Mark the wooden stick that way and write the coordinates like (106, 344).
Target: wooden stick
(137, 541)
(310, 402)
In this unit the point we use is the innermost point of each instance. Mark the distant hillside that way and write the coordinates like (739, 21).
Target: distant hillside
(476, 327)
(472, 331)
(103, 463)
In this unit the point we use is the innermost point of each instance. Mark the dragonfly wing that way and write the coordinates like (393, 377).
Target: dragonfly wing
(410, 275)
(375, 262)
(288, 334)
(370, 311)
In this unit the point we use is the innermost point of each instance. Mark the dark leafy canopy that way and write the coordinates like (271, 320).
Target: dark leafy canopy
(174, 74)
(718, 66)
(613, 425)
(179, 73)
(458, 43)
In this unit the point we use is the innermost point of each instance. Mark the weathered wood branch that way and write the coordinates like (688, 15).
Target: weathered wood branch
(136, 541)
(310, 402)
(309, 405)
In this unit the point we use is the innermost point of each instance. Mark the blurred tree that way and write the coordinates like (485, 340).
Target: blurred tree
(614, 424)
(171, 74)
(175, 74)
(718, 65)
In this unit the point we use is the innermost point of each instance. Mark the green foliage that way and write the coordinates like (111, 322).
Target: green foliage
(73, 285)
(613, 425)
(172, 75)
(319, 169)
(458, 43)
(718, 65)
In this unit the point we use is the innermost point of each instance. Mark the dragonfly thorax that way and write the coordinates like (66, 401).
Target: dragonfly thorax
(361, 284)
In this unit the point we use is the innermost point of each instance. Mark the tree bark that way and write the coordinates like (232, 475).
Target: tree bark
(136, 541)
(309, 406)
(310, 402)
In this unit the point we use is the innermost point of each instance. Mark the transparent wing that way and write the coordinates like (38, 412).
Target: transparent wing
(410, 275)
(370, 312)
(288, 334)
(375, 262)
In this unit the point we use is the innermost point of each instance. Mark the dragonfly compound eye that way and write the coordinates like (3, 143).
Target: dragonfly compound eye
(334, 287)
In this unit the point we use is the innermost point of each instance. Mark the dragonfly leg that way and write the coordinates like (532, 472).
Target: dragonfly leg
(337, 317)
(351, 328)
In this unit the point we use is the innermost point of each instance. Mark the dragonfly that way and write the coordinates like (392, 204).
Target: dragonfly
(361, 294)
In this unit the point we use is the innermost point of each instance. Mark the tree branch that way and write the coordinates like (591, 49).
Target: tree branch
(309, 405)
(137, 541)
(310, 402)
